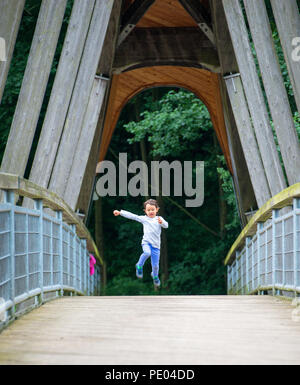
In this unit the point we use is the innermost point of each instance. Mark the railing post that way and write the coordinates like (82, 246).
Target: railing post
(9, 198)
(274, 266)
(59, 218)
(39, 207)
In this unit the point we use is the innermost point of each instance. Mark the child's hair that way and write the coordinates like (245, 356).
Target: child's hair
(151, 202)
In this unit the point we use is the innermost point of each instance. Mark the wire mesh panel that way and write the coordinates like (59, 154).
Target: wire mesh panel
(5, 276)
(21, 247)
(269, 264)
(289, 251)
(33, 252)
(297, 251)
(77, 263)
(72, 259)
(263, 251)
(239, 274)
(56, 252)
(255, 261)
(65, 251)
(243, 271)
(40, 258)
(278, 252)
(249, 263)
(47, 252)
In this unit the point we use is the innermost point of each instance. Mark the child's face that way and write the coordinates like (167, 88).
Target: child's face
(151, 210)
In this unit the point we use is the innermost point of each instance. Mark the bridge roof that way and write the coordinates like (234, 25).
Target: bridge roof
(166, 28)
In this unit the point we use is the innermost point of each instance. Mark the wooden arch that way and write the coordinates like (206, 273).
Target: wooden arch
(204, 84)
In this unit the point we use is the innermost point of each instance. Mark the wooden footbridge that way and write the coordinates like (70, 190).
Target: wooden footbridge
(159, 330)
(112, 50)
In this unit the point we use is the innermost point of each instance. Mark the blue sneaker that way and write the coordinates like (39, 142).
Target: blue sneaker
(156, 280)
(139, 271)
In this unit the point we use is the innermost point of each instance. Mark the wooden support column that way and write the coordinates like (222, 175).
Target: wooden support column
(274, 87)
(73, 142)
(61, 92)
(10, 17)
(248, 140)
(33, 87)
(85, 142)
(287, 19)
(254, 96)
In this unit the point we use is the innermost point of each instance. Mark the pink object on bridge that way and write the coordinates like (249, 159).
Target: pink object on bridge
(92, 263)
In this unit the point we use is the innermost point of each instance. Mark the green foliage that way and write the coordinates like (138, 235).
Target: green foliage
(174, 126)
(195, 255)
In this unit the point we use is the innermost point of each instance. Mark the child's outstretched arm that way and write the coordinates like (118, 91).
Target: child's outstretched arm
(163, 223)
(129, 215)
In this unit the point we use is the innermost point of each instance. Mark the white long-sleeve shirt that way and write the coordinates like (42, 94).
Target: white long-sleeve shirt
(152, 229)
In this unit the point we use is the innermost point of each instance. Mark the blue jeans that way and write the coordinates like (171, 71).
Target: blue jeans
(149, 250)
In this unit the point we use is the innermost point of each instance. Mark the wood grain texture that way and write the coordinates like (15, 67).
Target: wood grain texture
(254, 95)
(202, 83)
(61, 92)
(10, 17)
(155, 330)
(33, 86)
(287, 19)
(274, 87)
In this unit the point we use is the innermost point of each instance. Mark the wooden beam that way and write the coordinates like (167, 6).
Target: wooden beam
(201, 16)
(61, 92)
(248, 140)
(185, 46)
(10, 17)
(81, 94)
(274, 87)
(85, 141)
(224, 46)
(254, 96)
(132, 16)
(33, 86)
(241, 179)
(287, 19)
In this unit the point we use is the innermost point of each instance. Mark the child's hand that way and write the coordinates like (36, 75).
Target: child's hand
(116, 213)
(159, 220)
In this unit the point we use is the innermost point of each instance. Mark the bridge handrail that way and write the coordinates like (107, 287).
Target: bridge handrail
(28, 189)
(278, 201)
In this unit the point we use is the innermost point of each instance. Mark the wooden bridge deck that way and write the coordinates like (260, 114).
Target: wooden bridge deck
(155, 330)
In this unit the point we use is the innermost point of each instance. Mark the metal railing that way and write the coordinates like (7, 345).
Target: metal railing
(266, 256)
(41, 255)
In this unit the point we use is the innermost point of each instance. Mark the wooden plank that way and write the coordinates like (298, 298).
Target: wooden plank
(274, 87)
(80, 97)
(176, 330)
(242, 183)
(254, 95)
(248, 140)
(132, 16)
(287, 19)
(10, 17)
(201, 16)
(223, 41)
(185, 46)
(167, 14)
(33, 86)
(85, 142)
(61, 92)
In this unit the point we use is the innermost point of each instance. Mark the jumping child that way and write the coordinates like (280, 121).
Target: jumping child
(151, 239)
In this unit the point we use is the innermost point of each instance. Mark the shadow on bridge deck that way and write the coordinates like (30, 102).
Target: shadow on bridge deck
(155, 330)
